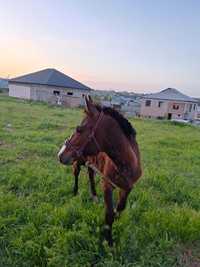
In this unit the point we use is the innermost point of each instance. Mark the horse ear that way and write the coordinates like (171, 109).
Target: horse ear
(90, 107)
(86, 103)
(90, 98)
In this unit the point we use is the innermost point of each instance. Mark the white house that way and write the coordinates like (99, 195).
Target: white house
(169, 104)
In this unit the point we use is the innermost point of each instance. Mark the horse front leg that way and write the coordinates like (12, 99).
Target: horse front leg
(92, 184)
(76, 172)
(109, 213)
(123, 195)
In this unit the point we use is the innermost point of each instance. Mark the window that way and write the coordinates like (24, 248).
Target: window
(190, 108)
(194, 107)
(148, 103)
(56, 92)
(160, 103)
(175, 106)
(69, 93)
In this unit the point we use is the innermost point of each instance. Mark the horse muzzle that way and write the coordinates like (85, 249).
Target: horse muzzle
(65, 160)
(64, 157)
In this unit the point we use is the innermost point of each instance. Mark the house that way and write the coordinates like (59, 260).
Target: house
(168, 104)
(49, 85)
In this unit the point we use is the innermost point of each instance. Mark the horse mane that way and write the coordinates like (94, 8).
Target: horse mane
(124, 124)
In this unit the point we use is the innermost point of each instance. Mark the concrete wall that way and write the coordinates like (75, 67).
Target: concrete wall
(20, 91)
(153, 110)
(47, 94)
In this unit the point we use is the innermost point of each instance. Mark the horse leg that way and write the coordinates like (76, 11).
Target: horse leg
(76, 171)
(92, 184)
(109, 213)
(123, 195)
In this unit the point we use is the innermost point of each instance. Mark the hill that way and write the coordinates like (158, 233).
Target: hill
(42, 224)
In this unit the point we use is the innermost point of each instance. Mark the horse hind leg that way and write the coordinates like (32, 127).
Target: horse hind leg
(92, 185)
(76, 172)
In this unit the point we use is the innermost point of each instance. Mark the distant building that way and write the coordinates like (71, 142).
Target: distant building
(49, 85)
(131, 107)
(3, 84)
(169, 104)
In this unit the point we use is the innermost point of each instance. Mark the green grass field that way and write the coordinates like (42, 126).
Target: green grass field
(42, 224)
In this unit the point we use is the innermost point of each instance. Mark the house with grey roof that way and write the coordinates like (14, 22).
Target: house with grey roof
(169, 104)
(49, 85)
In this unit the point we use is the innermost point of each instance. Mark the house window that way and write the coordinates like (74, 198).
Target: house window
(69, 93)
(148, 103)
(56, 92)
(190, 108)
(160, 103)
(194, 107)
(175, 106)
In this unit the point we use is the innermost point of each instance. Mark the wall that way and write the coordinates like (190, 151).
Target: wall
(20, 91)
(46, 93)
(176, 113)
(153, 110)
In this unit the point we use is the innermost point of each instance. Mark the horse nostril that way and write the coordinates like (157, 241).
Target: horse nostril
(59, 158)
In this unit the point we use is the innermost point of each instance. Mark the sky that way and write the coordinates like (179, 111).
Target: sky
(133, 45)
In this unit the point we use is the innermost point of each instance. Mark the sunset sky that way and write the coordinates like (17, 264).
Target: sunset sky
(133, 45)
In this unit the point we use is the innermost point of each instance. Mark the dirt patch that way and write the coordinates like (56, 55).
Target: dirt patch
(3, 144)
(190, 257)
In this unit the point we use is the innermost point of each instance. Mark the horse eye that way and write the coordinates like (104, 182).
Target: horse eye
(79, 129)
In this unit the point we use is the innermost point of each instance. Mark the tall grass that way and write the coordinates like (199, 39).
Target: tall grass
(42, 224)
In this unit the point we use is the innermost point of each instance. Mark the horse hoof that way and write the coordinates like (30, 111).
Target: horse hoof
(75, 193)
(116, 214)
(110, 243)
(95, 199)
(108, 235)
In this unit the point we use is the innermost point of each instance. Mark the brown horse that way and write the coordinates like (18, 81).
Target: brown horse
(76, 171)
(107, 141)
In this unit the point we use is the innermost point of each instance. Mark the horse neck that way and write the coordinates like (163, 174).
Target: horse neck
(121, 151)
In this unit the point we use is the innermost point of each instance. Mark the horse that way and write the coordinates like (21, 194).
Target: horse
(107, 142)
(76, 171)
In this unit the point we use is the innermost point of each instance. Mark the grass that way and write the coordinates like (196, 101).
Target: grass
(42, 224)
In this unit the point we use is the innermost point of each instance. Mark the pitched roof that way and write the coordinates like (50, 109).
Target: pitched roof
(170, 94)
(50, 77)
